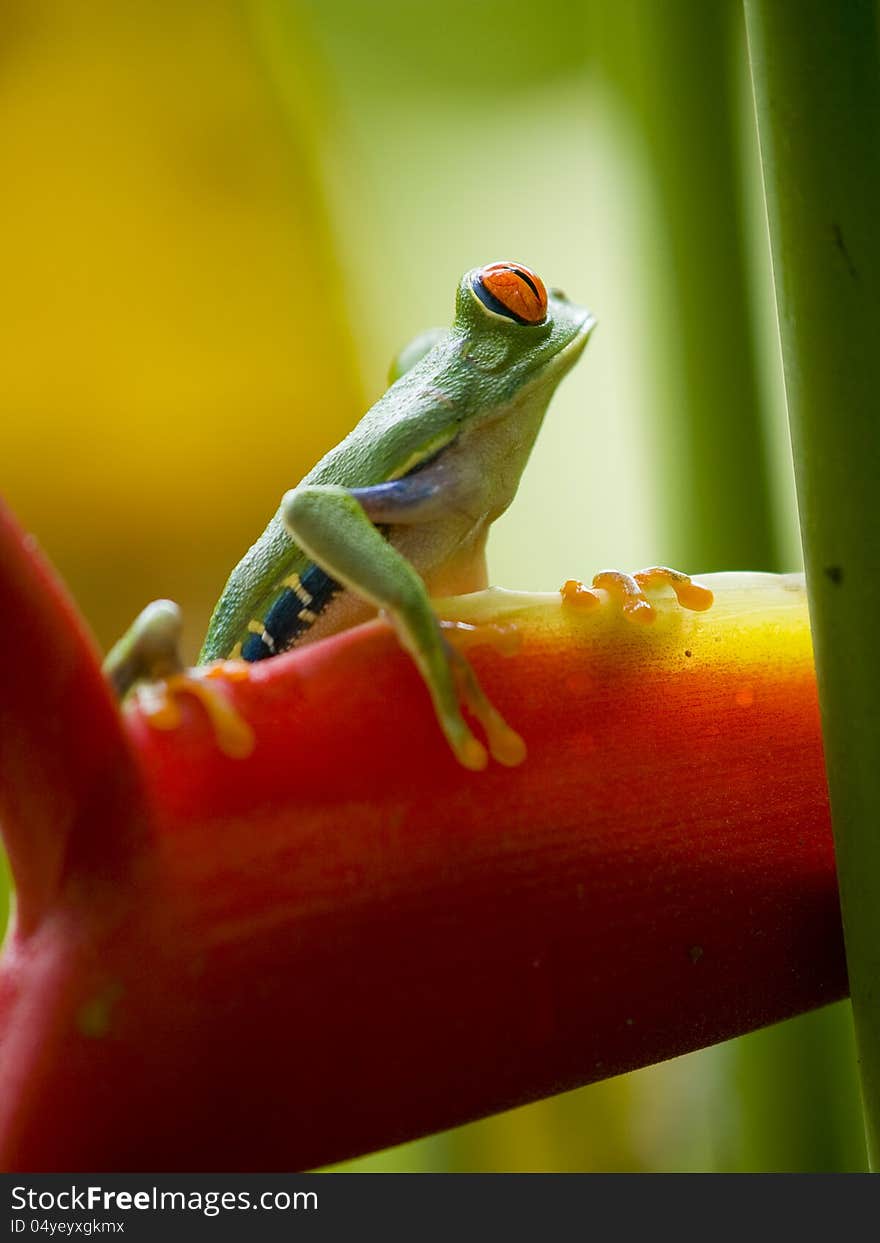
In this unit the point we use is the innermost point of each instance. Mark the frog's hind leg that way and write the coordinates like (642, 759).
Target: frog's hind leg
(149, 650)
(146, 663)
(630, 591)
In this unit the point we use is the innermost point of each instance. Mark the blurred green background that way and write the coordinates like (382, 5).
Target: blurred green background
(220, 220)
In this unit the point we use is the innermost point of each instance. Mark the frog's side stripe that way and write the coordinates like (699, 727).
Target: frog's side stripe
(289, 618)
(294, 582)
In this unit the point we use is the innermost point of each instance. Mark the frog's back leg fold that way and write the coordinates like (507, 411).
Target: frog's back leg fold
(149, 650)
(147, 661)
(424, 495)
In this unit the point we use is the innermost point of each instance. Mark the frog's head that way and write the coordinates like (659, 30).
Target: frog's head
(511, 329)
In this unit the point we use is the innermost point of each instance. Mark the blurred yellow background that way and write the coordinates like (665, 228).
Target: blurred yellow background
(221, 219)
(176, 347)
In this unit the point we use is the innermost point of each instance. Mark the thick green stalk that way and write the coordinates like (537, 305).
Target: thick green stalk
(816, 74)
(676, 63)
(679, 68)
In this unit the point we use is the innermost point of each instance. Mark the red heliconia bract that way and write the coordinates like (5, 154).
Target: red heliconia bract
(346, 940)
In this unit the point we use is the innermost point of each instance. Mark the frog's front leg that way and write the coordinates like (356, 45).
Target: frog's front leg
(147, 662)
(334, 527)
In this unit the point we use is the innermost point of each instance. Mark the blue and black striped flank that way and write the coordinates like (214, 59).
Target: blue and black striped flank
(291, 615)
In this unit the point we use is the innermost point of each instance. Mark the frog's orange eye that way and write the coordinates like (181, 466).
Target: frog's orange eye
(513, 291)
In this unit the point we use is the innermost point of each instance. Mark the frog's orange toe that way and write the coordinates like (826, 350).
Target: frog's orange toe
(690, 594)
(159, 703)
(629, 591)
(575, 593)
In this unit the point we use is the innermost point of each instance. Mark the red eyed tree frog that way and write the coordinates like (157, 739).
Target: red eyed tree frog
(400, 510)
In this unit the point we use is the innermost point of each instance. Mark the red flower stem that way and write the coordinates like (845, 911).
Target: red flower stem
(65, 767)
(346, 940)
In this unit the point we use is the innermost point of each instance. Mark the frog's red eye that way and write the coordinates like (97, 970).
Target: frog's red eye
(512, 290)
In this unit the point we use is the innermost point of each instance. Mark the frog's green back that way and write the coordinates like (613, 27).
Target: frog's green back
(412, 420)
(494, 361)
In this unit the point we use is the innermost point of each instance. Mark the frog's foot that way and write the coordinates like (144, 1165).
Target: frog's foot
(505, 745)
(629, 590)
(158, 701)
(506, 639)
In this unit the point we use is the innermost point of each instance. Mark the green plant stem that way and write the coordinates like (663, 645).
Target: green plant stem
(676, 64)
(816, 75)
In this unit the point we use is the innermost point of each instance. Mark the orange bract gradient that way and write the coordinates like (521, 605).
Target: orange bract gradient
(346, 940)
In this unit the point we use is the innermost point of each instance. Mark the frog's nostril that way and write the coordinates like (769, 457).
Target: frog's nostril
(559, 293)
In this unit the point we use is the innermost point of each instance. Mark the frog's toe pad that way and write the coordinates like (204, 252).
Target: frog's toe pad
(505, 744)
(505, 639)
(629, 591)
(158, 701)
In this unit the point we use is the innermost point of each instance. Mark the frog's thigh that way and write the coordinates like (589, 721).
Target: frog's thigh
(330, 525)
